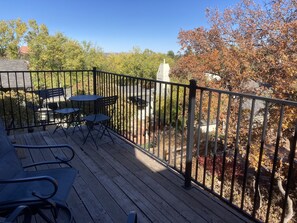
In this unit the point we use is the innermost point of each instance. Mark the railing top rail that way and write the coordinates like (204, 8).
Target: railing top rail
(145, 79)
(251, 96)
(36, 71)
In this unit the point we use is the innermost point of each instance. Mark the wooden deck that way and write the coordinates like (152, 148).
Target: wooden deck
(118, 178)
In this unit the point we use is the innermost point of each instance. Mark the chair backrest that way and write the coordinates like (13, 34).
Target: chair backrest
(106, 105)
(52, 96)
(50, 93)
(55, 92)
(10, 165)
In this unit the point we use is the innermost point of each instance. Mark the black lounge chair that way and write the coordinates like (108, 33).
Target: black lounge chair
(38, 190)
(21, 211)
(132, 217)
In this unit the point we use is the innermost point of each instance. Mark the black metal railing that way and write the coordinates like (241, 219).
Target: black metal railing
(23, 103)
(240, 147)
(244, 151)
(151, 114)
(237, 146)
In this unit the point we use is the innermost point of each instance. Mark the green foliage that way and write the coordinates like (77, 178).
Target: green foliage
(58, 52)
(13, 107)
(11, 34)
(171, 108)
(137, 63)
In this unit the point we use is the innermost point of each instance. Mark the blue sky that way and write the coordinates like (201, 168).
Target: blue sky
(116, 25)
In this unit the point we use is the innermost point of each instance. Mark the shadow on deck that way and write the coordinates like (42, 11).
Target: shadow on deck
(118, 178)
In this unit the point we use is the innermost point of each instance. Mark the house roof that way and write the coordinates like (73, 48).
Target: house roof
(13, 74)
(24, 50)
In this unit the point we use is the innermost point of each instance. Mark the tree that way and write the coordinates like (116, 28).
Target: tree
(171, 54)
(11, 35)
(36, 39)
(137, 62)
(93, 56)
(248, 42)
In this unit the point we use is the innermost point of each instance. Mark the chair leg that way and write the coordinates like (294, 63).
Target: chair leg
(75, 120)
(60, 126)
(94, 140)
(106, 129)
(89, 131)
(90, 134)
(44, 217)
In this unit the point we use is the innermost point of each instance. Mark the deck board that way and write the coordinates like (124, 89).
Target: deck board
(118, 178)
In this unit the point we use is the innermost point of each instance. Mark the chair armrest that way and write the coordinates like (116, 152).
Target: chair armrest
(60, 160)
(39, 178)
(20, 210)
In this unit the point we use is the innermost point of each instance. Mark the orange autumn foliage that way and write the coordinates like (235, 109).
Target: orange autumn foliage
(246, 42)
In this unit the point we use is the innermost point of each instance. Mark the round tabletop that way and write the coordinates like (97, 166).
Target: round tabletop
(84, 97)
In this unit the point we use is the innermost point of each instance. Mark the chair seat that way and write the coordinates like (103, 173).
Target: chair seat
(65, 111)
(96, 118)
(104, 109)
(23, 192)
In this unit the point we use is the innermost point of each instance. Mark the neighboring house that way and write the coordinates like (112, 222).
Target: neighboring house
(13, 74)
(24, 52)
(211, 76)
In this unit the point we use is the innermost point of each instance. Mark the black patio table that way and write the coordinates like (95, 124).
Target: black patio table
(80, 99)
(84, 97)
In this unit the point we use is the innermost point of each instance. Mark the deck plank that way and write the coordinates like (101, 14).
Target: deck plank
(105, 175)
(118, 178)
(88, 170)
(153, 196)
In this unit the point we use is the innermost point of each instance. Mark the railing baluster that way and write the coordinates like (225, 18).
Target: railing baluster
(133, 111)
(137, 113)
(183, 127)
(176, 126)
(263, 136)
(190, 132)
(150, 116)
(290, 171)
(164, 123)
(141, 108)
(198, 134)
(216, 142)
(274, 161)
(247, 154)
(155, 130)
(207, 136)
(170, 125)
(118, 105)
(236, 149)
(126, 108)
(225, 144)
(159, 119)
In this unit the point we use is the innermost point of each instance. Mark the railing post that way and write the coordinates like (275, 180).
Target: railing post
(190, 132)
(94, 81)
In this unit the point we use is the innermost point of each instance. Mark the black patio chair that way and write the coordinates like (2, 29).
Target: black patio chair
(23, 212)
(132, 217)
(104, 109)
(39, 190)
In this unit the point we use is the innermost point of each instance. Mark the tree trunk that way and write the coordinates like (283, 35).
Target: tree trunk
(290, 212)
(293, 176)
(258, 198)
